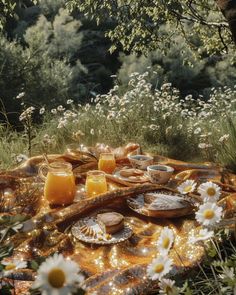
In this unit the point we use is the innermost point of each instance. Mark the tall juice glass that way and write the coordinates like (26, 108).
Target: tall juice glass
(59, 188)
(107, 162)
(95, 183)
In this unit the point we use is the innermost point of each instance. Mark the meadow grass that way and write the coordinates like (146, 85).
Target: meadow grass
(162, 122)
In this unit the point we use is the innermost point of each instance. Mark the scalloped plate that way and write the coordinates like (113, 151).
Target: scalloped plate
(96, 236)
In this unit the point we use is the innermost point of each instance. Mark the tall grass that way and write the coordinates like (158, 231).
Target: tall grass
(159, 119)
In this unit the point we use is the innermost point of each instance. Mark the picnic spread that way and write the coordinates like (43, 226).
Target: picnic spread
(108, 222)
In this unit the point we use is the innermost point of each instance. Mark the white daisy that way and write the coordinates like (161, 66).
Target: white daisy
(187, 186)
(165, 240)
(58, 276)
(209, 191)
(203, 235)
(209, 214)
(159, 267)
(168, 287)
(11, 266)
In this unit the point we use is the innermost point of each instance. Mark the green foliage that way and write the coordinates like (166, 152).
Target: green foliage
(187, 70)
(138, 23)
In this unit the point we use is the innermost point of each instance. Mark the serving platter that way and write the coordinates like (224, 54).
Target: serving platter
(88, 230)
(161, 204)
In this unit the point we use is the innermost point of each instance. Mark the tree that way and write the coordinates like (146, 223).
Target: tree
(138, 23)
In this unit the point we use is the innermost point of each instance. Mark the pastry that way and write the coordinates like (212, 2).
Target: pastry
(131, 172)
(110, 222)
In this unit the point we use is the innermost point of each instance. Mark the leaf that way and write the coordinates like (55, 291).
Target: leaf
(10, 220)
(34, 265)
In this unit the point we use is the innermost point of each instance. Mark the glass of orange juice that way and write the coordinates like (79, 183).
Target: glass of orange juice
(59, 188)
(95, 183)
(107, 162)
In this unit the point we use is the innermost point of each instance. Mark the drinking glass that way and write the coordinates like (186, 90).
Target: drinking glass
(95, 183)
(107, 162)
(59, 188)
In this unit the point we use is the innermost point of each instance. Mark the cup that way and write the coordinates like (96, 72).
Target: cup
(59, 188)
(95, 183)
(107, 162)
(140, 161)
(160, 174)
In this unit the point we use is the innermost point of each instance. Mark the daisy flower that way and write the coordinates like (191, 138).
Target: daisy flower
(165, 240)
(11, 266)
(209, 191)
(159, 267)
(168, 287)
(209, 214)
(57, 276)
(187, 186)
(203, 235)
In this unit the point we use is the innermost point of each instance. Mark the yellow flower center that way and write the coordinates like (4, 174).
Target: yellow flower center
(211, 191)
(159, 267)
(10, 266)
(166, 242)
(188, 189)
(56, 278)
(209, 214)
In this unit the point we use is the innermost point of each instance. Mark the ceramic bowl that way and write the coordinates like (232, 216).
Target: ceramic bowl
(140, 161)
(160, 174)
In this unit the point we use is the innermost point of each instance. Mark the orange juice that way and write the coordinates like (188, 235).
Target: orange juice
(59, 188)
(107, 163)
(95, 183)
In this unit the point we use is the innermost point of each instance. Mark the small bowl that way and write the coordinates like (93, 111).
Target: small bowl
(160, 174)
(140, 161)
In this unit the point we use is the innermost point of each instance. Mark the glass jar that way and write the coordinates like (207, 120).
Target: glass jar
(59, 188)
(107, 162)
(95, 183)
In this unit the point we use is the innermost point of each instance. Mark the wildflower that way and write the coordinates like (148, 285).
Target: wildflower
(92, 131)
(53, 111)
(224, 138)
(58, 276)
(153, 127)
(47, 140)
(42, 111)
(77, 135)
(87, 107)
(60, 108)
(168, 130)
(159, 267)
(168, 287)
(69, 101)
(20, 95)
(27, 114)
(10, 266)
(165, 240)
(197, 130)
(62, 123)
(204, 145)
(110, 115)
(209, 191)
(21, 157)
(203, 235)
(187, 186)
(209, 214)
